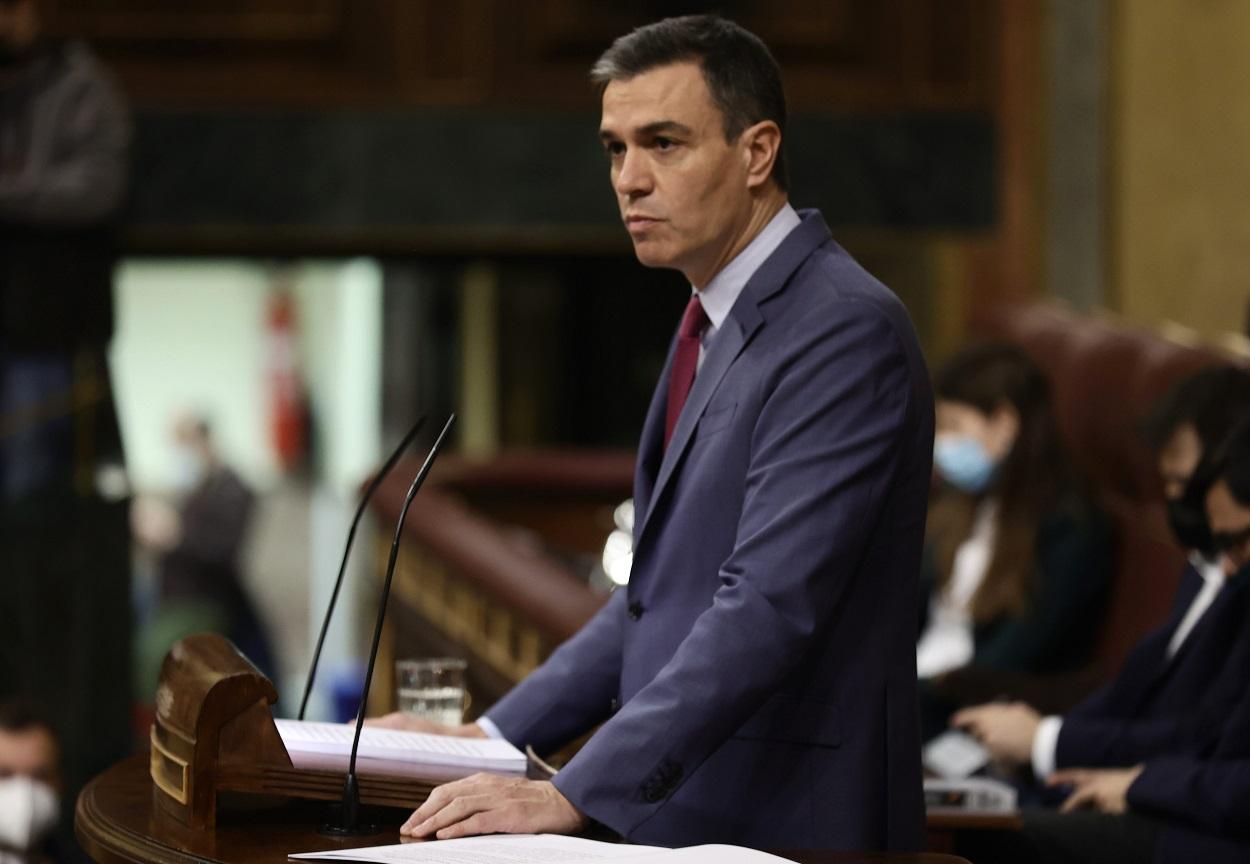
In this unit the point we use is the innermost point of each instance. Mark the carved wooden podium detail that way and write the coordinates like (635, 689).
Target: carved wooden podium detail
(214, 733)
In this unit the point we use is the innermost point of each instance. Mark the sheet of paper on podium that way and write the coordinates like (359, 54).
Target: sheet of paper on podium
(539, 849)
(328, 746)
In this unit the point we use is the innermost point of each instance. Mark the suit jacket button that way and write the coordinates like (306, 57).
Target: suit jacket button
(635, 611)
(614, 705)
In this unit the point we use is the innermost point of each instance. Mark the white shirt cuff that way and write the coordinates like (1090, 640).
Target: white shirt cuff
(491, 730)
(1045, 744)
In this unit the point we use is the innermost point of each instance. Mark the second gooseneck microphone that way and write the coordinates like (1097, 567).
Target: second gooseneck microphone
(351, 536)
(349, 813)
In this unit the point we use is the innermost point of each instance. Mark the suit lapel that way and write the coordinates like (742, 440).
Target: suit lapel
(740, 326)
(1210, 620)
(725, 348)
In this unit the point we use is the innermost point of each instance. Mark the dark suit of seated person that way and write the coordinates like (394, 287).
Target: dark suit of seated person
(1148, 707)
(1189, 805)
(1016, 556)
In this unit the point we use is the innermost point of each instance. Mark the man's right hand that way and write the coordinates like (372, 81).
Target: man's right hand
(1004, 729)
(406, 722)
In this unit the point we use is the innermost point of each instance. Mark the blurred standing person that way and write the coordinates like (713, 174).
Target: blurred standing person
(199, 584)
(64, 547)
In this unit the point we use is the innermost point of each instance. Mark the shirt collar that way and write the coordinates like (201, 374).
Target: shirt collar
(722, 292)
(1211, 571)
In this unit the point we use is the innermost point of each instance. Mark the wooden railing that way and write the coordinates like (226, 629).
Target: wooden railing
(484, 571)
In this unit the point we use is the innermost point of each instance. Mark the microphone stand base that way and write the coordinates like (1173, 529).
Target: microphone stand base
(347, 821)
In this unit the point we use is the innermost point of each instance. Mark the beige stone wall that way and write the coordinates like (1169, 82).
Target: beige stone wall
(1179, 163)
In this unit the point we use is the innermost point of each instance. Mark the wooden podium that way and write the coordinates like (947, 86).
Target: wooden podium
(218, 785)
(214, 735)
(117, 822)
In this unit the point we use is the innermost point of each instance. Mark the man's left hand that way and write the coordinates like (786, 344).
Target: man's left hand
(1102, 789)
(491, 804)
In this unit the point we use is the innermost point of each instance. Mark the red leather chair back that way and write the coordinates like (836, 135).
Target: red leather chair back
(1105, 378)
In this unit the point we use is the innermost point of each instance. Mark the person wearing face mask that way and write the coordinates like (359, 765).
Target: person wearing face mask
(30, 785)
(198, 545)
(1016, 557)
(1150, 704)
(1190, 799)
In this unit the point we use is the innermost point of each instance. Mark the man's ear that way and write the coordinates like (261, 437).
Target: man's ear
(760, 145)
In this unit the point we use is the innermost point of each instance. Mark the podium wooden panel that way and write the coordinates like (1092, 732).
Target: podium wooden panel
(117, 823)
(213, 735)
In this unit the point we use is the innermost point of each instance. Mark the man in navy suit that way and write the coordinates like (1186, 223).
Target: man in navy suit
(756, 680)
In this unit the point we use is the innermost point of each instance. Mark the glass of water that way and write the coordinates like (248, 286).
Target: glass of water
(432, 689)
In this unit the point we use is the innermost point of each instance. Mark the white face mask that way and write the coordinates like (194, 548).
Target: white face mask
(189, 470)
(28, 811)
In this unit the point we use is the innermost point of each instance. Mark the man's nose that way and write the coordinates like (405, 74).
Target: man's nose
(634, 177)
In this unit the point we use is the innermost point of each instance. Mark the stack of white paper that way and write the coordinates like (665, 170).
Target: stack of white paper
(954, 755)
(328, 746)
(539, 849)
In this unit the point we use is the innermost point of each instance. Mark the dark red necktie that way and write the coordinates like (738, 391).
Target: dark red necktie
(685, 361)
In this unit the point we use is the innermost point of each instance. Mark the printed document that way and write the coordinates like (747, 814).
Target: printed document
(539, 849)
(328, 746)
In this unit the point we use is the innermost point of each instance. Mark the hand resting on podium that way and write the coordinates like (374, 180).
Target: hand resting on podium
(492, 804)
(482, 803)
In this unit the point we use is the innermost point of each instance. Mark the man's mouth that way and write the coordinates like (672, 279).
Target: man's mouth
(636, 220)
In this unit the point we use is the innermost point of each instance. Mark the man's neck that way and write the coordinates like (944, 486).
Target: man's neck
(763, 209)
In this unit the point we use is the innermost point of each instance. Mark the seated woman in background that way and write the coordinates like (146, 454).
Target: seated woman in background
(1017, 557)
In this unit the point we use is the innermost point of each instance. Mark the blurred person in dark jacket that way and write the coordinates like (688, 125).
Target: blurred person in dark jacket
(64, 545)
(64, 160)
(199, 544)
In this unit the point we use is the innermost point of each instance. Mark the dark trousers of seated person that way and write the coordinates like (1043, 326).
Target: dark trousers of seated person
(1050, 837)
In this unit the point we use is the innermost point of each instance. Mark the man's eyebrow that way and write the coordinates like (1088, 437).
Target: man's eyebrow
(658, 127)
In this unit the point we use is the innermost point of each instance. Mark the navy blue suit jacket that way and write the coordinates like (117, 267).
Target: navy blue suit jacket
(1152, 705)
(1202, 794)
(756, 680)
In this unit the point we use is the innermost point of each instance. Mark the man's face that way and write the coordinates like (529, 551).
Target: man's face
(1230, 525)
(681, 187)
(1178, 458)
(29, 752)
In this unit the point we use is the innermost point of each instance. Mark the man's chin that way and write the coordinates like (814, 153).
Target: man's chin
(650, 256)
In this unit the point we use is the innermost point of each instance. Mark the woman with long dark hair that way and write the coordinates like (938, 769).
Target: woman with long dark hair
(1017, 557)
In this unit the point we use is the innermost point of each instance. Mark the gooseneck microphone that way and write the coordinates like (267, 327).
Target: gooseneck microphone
(349, 812)
(351, 537)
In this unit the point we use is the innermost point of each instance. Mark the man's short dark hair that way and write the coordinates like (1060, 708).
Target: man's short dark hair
(1232, 463)
(740, 72)
(1214, 400)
